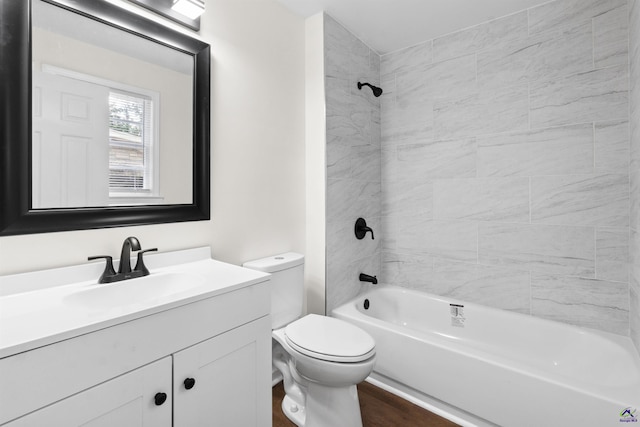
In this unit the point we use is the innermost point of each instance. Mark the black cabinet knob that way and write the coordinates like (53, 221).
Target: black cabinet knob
(189, 383)
(160, 398)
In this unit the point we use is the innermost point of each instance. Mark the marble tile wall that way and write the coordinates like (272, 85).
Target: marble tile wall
(505, 155)
(353, 162)
(634, 247)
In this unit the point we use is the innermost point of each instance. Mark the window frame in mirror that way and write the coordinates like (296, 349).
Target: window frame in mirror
(16, 213)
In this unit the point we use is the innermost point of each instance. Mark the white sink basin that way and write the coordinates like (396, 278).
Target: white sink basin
(148, 290)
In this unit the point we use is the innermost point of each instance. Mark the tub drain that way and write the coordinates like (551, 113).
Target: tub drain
(366, 304)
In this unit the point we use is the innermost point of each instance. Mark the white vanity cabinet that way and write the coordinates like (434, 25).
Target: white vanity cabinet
(219, 382)
(210, 354)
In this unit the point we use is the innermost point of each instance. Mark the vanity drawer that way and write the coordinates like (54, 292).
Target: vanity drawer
(34, 379)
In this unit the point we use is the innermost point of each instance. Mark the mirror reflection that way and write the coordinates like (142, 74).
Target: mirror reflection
(112, 115)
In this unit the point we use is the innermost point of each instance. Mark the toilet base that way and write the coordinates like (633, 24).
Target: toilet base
(293, 411)
(325, 407)
(333, 406)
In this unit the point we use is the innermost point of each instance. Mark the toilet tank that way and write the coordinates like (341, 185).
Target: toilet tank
(287, 285)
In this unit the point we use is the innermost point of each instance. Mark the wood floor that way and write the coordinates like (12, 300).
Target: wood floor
(379, 409)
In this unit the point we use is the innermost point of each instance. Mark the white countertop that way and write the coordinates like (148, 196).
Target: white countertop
(41, 315)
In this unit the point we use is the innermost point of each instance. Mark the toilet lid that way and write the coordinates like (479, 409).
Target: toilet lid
(329, 339)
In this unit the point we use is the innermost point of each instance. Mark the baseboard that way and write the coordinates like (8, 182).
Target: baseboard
(276, 377)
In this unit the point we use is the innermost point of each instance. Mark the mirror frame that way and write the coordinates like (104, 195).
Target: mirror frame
(16, 215)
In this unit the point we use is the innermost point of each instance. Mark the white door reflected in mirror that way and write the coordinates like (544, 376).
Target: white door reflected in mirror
(69, 145)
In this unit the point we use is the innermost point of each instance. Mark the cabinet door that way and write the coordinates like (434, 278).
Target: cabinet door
(228, 379)
(125, 401)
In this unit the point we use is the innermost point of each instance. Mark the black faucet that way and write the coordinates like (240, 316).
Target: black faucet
(366, 278)
(124, 269)
(129, 244)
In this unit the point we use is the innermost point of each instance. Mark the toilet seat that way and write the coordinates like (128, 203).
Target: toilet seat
(329, 339)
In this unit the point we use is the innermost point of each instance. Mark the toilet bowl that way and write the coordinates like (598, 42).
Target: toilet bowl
(321, 358)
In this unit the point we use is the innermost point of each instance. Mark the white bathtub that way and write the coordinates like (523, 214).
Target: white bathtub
(482, 366)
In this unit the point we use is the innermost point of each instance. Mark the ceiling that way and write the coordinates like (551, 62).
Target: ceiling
(389, 25)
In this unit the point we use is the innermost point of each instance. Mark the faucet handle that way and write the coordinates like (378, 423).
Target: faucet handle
(140, 262)
(109, 271)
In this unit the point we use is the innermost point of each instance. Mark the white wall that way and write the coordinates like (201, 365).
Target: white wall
(316, 160)
(257, 140)
(258, 136)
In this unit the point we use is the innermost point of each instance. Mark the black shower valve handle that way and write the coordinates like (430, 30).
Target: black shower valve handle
(361, 229)
(366, 229)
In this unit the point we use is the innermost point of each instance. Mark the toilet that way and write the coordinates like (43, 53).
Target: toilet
(321, 359)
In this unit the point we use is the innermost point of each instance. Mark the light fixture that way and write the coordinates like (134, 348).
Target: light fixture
(172, 9)
(192, 9)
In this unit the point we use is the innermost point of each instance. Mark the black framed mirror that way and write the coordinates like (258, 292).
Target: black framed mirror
(19, 214)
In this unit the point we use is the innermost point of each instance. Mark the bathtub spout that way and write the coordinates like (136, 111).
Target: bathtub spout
(366, 278)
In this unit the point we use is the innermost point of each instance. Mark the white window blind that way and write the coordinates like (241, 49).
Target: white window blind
(130, 143)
